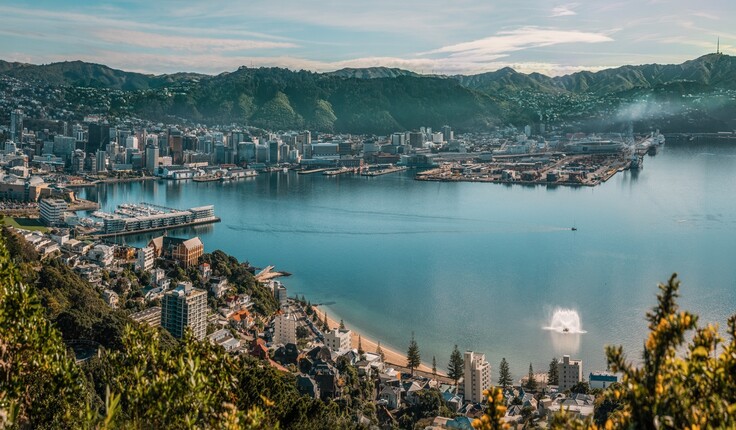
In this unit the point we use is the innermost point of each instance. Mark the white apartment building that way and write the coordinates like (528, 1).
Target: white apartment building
(338, 339)
(52, 211)
(284, 329)
(570, 372)
(477, 376)
(144, 258)
(184, 307)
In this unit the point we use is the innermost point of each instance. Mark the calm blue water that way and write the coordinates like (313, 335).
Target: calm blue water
(483, 266)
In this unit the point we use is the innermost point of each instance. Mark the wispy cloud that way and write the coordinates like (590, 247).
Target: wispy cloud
(506, 42)
(565, 10)
(186, 43)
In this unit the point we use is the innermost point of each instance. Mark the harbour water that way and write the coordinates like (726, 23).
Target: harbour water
(483, 266)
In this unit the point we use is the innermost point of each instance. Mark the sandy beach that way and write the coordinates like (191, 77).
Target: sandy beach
(370, 345)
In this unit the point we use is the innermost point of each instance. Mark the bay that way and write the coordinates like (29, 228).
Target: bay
(483, 266)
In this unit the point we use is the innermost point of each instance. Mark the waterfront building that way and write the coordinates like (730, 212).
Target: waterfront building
(144, 258)
(569, 372)
(338, 339)
(476, 376)
(183, 307)
(52, 211)
(602, 380)
(129, 218)
(284, 329)
(329, 151)
(150, 316)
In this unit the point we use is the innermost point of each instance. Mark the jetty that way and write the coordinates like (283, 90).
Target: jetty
(336, 172)
(385, 171)
(268, 273)
(310, 171)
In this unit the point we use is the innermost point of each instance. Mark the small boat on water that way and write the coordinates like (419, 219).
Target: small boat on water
(574, 229)
(566, 330)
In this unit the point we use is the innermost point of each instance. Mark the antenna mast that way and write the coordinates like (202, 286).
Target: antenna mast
(718, 46)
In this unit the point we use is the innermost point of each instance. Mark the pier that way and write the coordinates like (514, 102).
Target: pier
(384, 171)
(310, 171)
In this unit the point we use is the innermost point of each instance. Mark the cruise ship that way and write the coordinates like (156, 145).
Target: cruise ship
(132, 218)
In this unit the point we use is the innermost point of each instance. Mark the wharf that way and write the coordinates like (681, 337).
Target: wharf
(309, 172)
(206, 178)
(337, 172)
(149, 230)
(384, 171)
(591, 170)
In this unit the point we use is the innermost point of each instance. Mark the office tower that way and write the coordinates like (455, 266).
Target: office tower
(16, 125)
(185, 306)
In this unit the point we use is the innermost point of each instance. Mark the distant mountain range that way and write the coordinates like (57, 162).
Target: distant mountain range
(376, 99)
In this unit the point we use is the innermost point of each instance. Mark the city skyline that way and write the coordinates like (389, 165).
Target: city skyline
(466, 37)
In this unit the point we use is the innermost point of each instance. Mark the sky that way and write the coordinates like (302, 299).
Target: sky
(425, 36)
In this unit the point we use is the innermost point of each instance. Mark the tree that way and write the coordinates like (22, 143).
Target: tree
(361, 352)
(325, 323)
(413, 359)
(342, 324)
(581, 387)
(434, 366)
(553, 377)
(493, 419)
(379, 351)
(302, 332)
(504, 375)
(531, 382)
(455, 368)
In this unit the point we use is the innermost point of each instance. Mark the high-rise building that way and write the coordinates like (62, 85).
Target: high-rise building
(447, 133)
(185, 306)
(131, 142)
(98, 137)
(477, 376)
(52, 211)
(176, 144)
(78, 161)
(101, 161)
(569, 372)
(16, 125)
(416, 139)
(398, 139)
(284, 329)
(274, 156)
(152, 158)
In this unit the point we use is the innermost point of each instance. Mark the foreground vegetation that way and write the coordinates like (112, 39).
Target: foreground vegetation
(143, 378)
(679, 385)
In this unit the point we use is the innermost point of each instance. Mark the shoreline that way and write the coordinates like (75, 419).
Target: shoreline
(369, 345)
